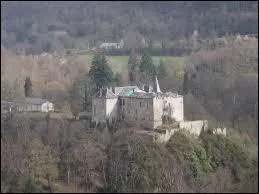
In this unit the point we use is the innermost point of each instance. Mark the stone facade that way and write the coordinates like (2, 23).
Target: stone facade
(137, 111)
(136, 107)
(104, 108)
(168, 105)
(145, 108)
(194, 127)
(219, 130)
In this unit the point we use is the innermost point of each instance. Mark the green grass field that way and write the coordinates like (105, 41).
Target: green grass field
(119, 63)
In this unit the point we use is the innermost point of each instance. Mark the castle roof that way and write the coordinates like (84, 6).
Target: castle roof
(125, 91)
(132, 91)
(35, 101)
(105, 93)
(143, 95)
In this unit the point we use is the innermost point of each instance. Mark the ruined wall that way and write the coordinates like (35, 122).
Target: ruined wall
(164, 138)
(194, 127)
(137, 111)
(177, 107)
(111, 108)
(98, 109)
(158, 105)
(219, 130)
(103, 109)
(171, 106)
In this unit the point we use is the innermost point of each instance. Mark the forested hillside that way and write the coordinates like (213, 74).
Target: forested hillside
(193, 48)
(47, 26)
(58, 155)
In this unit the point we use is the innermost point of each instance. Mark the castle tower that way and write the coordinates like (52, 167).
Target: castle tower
(157, 87)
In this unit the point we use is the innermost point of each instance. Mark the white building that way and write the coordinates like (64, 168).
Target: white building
(110, 45)
(33, 104)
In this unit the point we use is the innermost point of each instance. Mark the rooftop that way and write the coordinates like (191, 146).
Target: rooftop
(132, 91)
(108, 44)
(125, 91)
(31, 101)
(105, 93)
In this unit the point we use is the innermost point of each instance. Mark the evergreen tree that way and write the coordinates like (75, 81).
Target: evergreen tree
(117, 79)
(161, 70)
(147, 68)
(100, 72)
(28, 87)
(186, 83)
(133, 67)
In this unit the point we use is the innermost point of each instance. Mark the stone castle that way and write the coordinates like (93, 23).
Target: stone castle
(145, 107)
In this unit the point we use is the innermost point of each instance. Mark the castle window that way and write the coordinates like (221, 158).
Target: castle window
(147, 104)
(123, 101)
(140, 104)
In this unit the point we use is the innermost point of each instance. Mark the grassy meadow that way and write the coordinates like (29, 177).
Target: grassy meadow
(175, 65)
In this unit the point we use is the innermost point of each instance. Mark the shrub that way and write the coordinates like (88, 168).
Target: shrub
(31, 187)
(189, 149)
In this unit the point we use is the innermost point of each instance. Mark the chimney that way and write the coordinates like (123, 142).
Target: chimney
(146, 88)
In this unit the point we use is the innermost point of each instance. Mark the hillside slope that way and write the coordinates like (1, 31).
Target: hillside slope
(125, 161)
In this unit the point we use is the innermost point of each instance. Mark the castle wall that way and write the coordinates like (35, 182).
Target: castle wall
(103, 109)
(171, 106)
(111, 108)
(98, 109)
(219, 130)
(158, 111)
(194, 127)
(137, 111)
(177, 107)
(164, 138)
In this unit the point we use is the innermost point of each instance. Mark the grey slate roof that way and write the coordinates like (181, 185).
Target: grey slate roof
(153, 94)
(35, 101)
(132, 91)
(142, 95)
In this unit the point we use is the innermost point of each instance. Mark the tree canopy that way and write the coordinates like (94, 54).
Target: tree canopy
(147, 68)
(100, 72)
(133, 68)
(28, 87)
